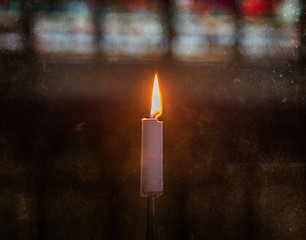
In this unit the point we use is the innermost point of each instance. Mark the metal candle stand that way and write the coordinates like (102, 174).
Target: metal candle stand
(151, 219)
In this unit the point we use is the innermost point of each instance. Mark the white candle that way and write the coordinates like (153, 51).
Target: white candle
(151, 179)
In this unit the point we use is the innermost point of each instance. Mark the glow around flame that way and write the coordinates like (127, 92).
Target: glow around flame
(156, 107)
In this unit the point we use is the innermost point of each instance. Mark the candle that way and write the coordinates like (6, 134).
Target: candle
(151, 177)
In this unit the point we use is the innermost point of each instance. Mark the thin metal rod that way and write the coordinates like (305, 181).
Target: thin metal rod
(151, 219)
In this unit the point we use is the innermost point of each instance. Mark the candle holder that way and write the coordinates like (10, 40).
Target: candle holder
(151, 233)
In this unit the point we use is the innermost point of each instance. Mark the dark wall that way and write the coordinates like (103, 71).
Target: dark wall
(234, 150)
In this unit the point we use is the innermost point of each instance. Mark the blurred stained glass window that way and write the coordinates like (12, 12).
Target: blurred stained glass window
(190, 30)
(269, 29)
(64, 29)
(203, 30)
(11, 38)
(133, 30)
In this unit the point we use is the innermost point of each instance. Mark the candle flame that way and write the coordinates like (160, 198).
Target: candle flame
(156, 107)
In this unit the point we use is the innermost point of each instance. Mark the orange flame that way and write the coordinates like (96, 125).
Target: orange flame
(156, 107)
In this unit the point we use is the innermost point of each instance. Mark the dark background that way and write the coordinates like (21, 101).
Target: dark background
(234, 149)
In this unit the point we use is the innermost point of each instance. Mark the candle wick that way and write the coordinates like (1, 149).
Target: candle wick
(155, 115)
